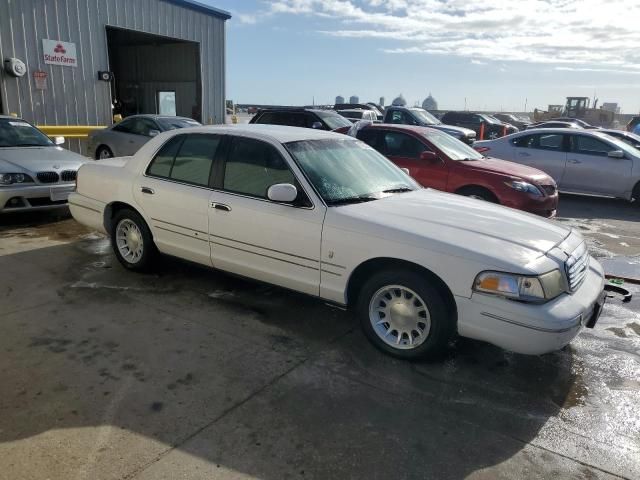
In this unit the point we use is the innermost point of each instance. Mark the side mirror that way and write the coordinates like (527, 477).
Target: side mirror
(317, 125)
(153, 133)
(406, 170)
(430, 157)
(58, 140)
(616, 154)
(282, 192)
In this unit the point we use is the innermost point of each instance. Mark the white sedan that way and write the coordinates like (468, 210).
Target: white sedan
(326, 215)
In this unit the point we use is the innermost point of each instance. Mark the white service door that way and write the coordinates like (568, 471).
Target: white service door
(591, 170)
(174, 195)
(255, 237)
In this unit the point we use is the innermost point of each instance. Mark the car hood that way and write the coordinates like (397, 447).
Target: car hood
(505, 167)
(37, 159)
(456, 226)
(453, 129)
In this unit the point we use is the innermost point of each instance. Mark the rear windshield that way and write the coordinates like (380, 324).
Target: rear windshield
(351, 114)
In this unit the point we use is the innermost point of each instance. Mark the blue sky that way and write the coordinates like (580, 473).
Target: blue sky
(496, 53)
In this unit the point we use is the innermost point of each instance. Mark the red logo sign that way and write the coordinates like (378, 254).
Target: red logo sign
(59, 49)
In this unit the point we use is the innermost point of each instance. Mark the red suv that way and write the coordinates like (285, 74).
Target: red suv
(439, 161)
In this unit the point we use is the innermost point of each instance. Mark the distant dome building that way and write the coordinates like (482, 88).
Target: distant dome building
(354, 99)
(399, 101)
(339, 99)
(430, 103)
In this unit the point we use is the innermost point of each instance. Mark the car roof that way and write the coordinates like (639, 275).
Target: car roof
(295, 109)
(404, 128)
(574, 131)
(155, 116)
(353, 110)
(279, 133)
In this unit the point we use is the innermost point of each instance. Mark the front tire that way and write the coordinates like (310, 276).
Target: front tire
(405, 315)
(131, 241)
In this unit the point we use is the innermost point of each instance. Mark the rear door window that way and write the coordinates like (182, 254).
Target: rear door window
(544, 141)
(551, 141)
(186, 159)
(194, 160)
(161, 165)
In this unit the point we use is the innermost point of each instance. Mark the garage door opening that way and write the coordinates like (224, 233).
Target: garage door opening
(154, 74)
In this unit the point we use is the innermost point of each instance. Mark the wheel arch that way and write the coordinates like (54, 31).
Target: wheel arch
(102, 145)
(363, 271)
(114, 207)
(474, 186)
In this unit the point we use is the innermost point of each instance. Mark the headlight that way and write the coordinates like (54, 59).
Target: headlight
(525, 187)
(10, 178)
(521, 287)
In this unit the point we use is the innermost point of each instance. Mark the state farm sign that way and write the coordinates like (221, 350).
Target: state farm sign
(59, 53)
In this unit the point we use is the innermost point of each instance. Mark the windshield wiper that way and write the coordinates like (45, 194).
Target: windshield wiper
(349, 200)
(398, 189)
(31, 145)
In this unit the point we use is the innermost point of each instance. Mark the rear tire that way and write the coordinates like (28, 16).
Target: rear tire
(636, 194)
(103, 152)
(405, 315)
(132, 241)
(478, 193)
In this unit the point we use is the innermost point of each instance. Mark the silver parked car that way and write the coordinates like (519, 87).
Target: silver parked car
(580, 161)
(35, 172)
(126, 137)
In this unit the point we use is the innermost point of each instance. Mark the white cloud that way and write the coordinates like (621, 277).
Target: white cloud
(593, 34)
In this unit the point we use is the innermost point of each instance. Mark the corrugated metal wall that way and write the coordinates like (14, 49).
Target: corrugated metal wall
(75, 95)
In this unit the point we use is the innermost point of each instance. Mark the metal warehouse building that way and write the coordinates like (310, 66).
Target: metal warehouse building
(77, 62)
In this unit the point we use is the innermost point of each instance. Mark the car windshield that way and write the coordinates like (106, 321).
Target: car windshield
(452, 147)
(347, 171)
(425, 116)
(172, 123)
(18, 133)
(490, 119)
(333, 120)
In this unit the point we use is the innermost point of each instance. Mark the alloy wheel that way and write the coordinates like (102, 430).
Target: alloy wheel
(399, 317)
(129, 241)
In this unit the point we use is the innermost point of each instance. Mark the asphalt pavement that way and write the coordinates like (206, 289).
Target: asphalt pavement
(190, 373)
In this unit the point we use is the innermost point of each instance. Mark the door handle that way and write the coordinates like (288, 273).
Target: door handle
(573, 160)
(147, 190)
(221, 206)
(524, 154)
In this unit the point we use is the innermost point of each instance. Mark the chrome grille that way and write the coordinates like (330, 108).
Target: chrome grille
(48, 177)
(576, 266)
(68, 175)
(549, 189)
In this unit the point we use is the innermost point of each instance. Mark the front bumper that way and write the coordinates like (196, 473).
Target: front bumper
(528, 328)
(543, 206)
(21, 198)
